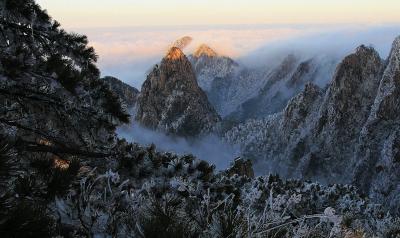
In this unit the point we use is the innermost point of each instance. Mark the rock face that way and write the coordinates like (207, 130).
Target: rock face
(378, 154)
(171, 100)
(346, 133)
(127, 93)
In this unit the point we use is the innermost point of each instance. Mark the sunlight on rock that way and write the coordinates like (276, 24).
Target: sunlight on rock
(60, 163)
(174, 53)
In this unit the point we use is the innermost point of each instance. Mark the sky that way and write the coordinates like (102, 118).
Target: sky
(130, 36)
(112, 13)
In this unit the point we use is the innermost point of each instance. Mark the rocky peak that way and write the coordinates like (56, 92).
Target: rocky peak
(214, 71)
(387, 104)
(356, 66)
(339, 119)
(377, 152)
(300, 106)
(175, 63)
(171, 100)
(353, 88)
(395, 51)
(174, 54)
(204, 50)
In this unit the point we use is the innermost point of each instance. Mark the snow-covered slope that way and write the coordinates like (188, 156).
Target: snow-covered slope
(215, 75)
(345, 133)
(208, 65)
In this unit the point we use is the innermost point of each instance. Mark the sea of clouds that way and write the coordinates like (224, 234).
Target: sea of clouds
(128, 53)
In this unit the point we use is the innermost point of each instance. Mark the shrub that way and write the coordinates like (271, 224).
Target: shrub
(163, 220)
(5, 163)
(67, 75)
(74, 166)
(43, 164)
(24, 185)
(59, 182)
(113, 105)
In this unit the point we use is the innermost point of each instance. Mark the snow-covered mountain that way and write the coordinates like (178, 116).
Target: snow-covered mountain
(171, 100)
(346, 132)
(239, 92)
(281, 83)
(216, 75)
(208, 66)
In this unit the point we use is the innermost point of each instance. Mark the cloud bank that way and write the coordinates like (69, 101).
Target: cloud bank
(333, 42)
(128, 53)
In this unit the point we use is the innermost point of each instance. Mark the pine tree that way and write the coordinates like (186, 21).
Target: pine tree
(31, 42)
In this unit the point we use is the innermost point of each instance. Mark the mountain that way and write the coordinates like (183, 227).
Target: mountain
(127, 93)
(377, 154)
(208, 65)
(171, 100)
(239, 92)
(281, 83)
(226, 83)
(345, 133)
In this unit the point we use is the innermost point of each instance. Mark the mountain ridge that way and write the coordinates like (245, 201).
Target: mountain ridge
(341, 134)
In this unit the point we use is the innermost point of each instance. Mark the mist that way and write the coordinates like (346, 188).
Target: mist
(128, 53)
(335, 43)
(209, 147)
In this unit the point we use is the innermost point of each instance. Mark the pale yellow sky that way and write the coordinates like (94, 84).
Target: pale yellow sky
(112, 13)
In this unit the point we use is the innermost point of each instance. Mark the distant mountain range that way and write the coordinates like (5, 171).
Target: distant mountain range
(239, 93)
(345, 131)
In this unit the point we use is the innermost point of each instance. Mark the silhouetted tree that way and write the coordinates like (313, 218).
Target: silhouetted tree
(31, 42)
